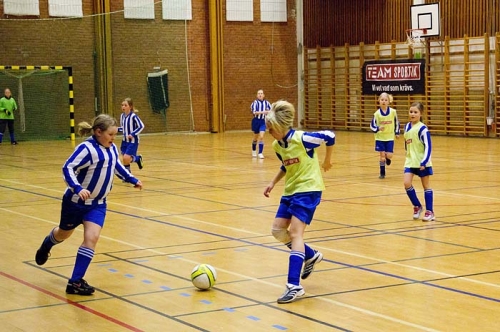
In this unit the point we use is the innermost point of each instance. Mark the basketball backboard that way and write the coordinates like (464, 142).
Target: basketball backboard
(426, 16)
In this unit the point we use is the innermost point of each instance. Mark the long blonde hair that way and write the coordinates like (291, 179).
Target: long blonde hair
(102, 122)
(281, 116)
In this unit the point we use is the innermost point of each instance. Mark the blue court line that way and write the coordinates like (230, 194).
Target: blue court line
(124, 299)
(331, 261)
(253, 318)
(279, 327)
(255, 302)
(256, 244)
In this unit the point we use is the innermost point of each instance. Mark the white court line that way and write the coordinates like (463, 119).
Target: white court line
(263, 235)
(341, 304)
(436, 191)
(259, 234)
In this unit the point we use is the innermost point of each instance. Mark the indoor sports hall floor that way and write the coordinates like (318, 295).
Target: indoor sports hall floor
(202, 203)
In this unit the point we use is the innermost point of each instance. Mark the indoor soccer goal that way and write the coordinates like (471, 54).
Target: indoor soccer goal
(44, 99)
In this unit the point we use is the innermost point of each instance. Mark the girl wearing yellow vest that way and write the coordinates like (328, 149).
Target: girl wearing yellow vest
(418, 161)
(385, 125)
(303, 187)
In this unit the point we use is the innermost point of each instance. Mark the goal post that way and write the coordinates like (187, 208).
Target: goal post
(44, 95)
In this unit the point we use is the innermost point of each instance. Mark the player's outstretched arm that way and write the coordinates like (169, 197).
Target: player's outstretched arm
(271, 185)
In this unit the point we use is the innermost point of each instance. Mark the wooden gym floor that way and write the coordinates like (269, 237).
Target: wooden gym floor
(202, 203)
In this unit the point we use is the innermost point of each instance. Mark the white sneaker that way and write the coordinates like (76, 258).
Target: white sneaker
(261, 156)
(291, 293)
(417, 210)
(309, 264)
(429, 216)
(254, 153)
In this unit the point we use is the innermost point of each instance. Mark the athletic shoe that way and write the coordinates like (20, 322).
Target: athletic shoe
(261, 156)
(387, 162)
(381, 176)
(14, 143)
(309, 264)
(429, 216)
(80, 287)
(291, 293)
(254, 153)
(140, 163)
(417, 210)
(42, 255)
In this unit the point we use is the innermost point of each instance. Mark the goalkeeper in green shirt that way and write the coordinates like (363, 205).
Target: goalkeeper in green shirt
(7, 108)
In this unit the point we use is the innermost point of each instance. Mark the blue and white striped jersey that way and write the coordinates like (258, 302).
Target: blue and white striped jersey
(131, 125)
(260, 106)
(92, 167)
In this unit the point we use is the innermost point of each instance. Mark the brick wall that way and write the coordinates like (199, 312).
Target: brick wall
(256, 55)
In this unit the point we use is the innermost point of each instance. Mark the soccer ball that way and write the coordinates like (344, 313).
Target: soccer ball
(203, 276)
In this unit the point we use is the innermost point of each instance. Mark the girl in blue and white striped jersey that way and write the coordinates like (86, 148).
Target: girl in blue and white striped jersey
(89, 173)
(260, 107)
(303, 188)
(131, 126)
(418, 161)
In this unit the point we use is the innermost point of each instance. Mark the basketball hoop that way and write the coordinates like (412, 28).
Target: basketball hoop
(415, 38)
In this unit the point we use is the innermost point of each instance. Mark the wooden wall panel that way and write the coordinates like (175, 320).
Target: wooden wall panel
(337, 22)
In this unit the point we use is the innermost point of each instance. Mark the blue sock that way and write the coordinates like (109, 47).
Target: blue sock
(382, 168)
(429, 198)
(309, 252)
(83, 258)
(50, 241)
(412, 194)
(295, 267)
(254, 145)
(133, 159)
(261, 147)
(1, 137)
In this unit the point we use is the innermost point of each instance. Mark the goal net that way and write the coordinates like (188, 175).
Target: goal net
(42, 101)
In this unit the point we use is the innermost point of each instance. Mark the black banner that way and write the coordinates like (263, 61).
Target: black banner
(394, 76)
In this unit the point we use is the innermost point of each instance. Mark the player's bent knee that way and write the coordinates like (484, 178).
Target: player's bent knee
(281, 234)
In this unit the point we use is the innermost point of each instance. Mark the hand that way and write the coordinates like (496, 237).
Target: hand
(138, 185)
(130, 137)
(422, 168)
(8, 112)
(397, 136)
(268, 189)
(326, 165)
(84, 194)
(381, 128)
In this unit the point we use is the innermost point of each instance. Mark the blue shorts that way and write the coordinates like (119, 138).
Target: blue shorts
(129, 148)
(384, 146)
(301, 205)
(258, 125)
(73, 214)
(426, 172)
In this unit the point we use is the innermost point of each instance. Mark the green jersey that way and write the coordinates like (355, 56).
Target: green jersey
(303, 172)
(7, 108)
(418, 145)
